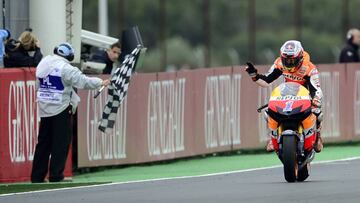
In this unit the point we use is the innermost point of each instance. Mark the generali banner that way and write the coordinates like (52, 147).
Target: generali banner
(193, 112)
(19, 124)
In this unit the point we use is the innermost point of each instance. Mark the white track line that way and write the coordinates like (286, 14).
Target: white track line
(175, 178)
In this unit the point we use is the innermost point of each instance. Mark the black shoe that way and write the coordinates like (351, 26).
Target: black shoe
(38, 181)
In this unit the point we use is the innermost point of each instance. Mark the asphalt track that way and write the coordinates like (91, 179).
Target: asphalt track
(328, 182)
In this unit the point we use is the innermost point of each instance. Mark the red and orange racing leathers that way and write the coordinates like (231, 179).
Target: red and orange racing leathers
(306, 75)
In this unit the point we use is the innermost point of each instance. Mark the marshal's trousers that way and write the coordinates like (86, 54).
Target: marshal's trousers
(53, 144)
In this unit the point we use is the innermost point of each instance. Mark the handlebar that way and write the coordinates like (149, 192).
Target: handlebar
(261, 108)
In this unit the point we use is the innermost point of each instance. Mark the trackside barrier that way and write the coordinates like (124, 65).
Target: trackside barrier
(167, 116)
(19, 125)
(187, 113)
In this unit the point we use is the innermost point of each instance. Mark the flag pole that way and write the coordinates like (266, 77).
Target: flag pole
(99, 91)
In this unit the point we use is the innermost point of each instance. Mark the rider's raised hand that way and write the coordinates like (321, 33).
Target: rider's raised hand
(251, 70)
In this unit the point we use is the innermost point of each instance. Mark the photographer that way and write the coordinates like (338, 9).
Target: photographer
(23, 53)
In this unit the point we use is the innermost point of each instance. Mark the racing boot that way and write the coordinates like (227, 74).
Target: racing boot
(318, 145)
(269, 146)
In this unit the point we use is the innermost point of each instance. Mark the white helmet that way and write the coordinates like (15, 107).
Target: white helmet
(65, 50)
(291, 53)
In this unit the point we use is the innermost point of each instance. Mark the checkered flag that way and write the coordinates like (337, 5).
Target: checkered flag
(118, 89)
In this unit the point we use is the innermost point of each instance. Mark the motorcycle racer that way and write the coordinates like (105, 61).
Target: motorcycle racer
(295, 65)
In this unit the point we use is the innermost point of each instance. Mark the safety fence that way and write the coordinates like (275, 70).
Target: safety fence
(187, 113)
(167, 116)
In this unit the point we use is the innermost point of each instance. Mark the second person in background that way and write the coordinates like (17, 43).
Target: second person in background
(109, 57)
(23, 53)
(350, 54)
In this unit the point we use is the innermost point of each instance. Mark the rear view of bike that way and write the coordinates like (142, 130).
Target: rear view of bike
(289, 110)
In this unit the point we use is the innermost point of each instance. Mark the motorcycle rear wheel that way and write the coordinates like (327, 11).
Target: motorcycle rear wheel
(289, 158)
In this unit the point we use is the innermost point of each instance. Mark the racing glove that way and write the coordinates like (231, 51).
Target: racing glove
(316, 108)
(316, 104)
(252, 71)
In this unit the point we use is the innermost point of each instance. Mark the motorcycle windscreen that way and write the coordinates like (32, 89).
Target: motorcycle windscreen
(290, 98)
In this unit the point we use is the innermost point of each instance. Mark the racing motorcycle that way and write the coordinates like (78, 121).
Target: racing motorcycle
(290, 107)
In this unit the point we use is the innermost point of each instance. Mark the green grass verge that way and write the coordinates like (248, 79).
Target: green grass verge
(209, 164)
(26, 187)
(200, 165)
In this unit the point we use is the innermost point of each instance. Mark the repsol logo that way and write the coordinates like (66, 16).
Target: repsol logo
(23, 120)
(101, 146)
(165, 116)
(222, 110)
(289, 97)
(293, 77)
(309, 132)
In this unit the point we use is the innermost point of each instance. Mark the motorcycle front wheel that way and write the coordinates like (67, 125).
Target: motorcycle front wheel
(289, 158)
